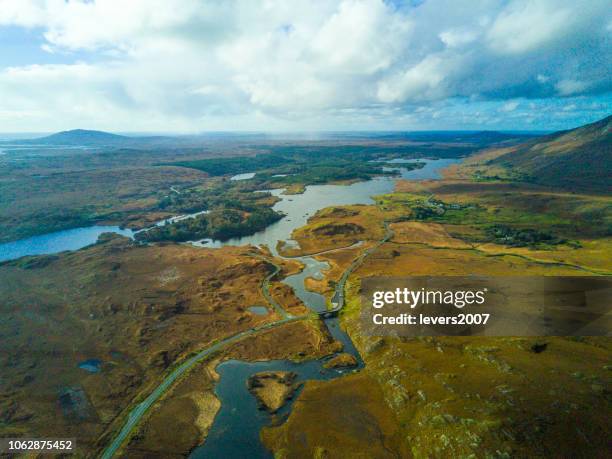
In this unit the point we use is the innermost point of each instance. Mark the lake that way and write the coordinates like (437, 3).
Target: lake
(297, 208)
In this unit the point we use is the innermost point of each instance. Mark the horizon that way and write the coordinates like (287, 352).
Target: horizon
(195, 66)
(292, 135)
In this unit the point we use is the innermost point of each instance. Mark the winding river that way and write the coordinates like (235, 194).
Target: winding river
(235, 431)
(236, 428)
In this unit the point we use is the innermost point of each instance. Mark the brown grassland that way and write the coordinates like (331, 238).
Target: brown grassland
(459, 396)
(138, 310)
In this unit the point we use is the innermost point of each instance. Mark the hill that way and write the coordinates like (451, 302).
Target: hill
(82, 137)
(580, 158)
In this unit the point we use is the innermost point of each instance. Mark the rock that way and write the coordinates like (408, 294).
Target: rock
(272, 389)
(343, 360)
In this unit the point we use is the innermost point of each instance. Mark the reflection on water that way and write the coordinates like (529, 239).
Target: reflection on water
(91, 365)
(298, 208)
(430, 171)
(312, 268)
(235, 432)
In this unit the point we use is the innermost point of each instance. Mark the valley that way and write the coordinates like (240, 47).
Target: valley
(119, 337)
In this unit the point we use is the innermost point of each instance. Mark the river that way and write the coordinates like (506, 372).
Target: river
(235, 430)
(297, 208)
(237, 426)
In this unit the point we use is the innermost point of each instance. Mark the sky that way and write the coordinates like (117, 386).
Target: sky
(190, 66)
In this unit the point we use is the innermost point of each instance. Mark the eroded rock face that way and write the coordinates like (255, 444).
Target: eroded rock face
(273, 388)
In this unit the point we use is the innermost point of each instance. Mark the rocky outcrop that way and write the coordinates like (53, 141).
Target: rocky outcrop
(272, 389)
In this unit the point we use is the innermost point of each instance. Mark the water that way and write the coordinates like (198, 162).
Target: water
(245, 176)
(237, 425)
(312, 268)
(236, 435)
(59, 241)
(259, 310)
(175, 219)
(91, 365)
(298, 209)
(430, 171)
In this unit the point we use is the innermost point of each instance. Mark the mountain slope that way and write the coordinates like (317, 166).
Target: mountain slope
(580, 158)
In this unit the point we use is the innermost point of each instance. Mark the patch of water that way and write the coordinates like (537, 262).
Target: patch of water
(299, 207)
(91, 365)
(312, 268)
(259, 310)
(245, 176)
(59, 241)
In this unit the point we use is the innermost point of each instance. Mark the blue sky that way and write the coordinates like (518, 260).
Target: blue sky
(273, 65)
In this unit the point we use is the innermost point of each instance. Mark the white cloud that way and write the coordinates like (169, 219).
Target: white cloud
(509, 106)
(454, 38)
(570, 87)
(526, 25)
(420, 82)
(193, 64)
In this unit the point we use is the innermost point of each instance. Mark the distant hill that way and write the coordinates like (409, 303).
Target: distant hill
(477, 138)
(82, 137)
(580, 158)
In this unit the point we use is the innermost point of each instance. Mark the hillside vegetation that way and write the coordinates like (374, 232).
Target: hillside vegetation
(576, 159)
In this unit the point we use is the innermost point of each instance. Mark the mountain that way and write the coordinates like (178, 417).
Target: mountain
(580, 158)
(82, 137)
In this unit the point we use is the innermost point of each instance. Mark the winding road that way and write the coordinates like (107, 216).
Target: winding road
(141, 409)
(137, 413)
(338, 297)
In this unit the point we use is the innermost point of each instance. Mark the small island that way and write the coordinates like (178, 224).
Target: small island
(272, 389)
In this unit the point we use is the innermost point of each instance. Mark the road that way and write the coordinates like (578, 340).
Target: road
(138, 412)
(338, 297)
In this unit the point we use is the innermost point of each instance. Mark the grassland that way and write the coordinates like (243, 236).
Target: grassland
(44, 190)
(462, 396)
(134, 311)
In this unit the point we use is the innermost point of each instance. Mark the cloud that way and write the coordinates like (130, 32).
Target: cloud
(509, 106)
(455, 38)
(528, 25)
(193, 64)
(569, 87)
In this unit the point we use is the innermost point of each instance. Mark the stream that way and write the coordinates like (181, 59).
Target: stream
(237, 426)
(235, 430)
